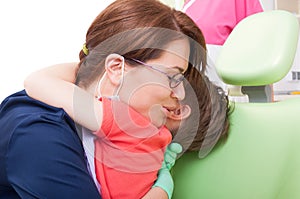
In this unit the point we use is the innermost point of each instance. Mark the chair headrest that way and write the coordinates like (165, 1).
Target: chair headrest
(260, 50)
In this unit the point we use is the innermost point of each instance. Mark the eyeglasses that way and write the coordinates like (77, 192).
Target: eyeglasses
(174, 80)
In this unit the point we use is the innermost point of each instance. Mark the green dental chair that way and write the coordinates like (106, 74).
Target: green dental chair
(261, 157)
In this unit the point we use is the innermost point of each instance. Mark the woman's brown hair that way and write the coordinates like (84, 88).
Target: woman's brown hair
(139, 29)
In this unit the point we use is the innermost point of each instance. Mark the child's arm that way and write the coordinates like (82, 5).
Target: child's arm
(55, 86)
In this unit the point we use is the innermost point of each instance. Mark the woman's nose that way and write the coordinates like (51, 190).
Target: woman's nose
(178, 92)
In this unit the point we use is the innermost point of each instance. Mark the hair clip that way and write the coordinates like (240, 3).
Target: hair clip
(85, 49)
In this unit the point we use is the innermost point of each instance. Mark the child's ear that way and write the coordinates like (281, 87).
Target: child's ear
(181, 113)
(114, 66)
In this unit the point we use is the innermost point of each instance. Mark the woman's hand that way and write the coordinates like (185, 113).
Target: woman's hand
(164, 179)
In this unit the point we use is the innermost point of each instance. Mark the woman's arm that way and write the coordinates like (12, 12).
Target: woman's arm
(55, 86)
(164, 185)
(156, 193)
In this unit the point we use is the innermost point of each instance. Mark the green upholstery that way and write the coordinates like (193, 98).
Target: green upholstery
(261, 158)
(267, 43)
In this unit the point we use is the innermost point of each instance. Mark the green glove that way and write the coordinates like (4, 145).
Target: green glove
(164, 179)
(171, 154)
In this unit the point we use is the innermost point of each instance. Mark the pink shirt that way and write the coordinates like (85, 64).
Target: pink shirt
(217, 18)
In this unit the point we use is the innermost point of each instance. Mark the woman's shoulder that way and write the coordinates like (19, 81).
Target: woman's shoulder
(19, 106)
(20, 114)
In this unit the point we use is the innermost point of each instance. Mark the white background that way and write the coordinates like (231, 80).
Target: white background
(35, 34)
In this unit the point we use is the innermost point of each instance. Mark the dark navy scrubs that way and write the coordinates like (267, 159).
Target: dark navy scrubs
(41, 154)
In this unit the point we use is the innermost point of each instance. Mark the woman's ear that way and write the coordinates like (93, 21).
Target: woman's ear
(181, 113)
(115, 66)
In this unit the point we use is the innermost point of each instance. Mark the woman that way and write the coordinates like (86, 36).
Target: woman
(123, 36)
(145, 75)
(132, 56)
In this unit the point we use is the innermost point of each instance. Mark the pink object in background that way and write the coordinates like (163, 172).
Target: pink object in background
(217, 18)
